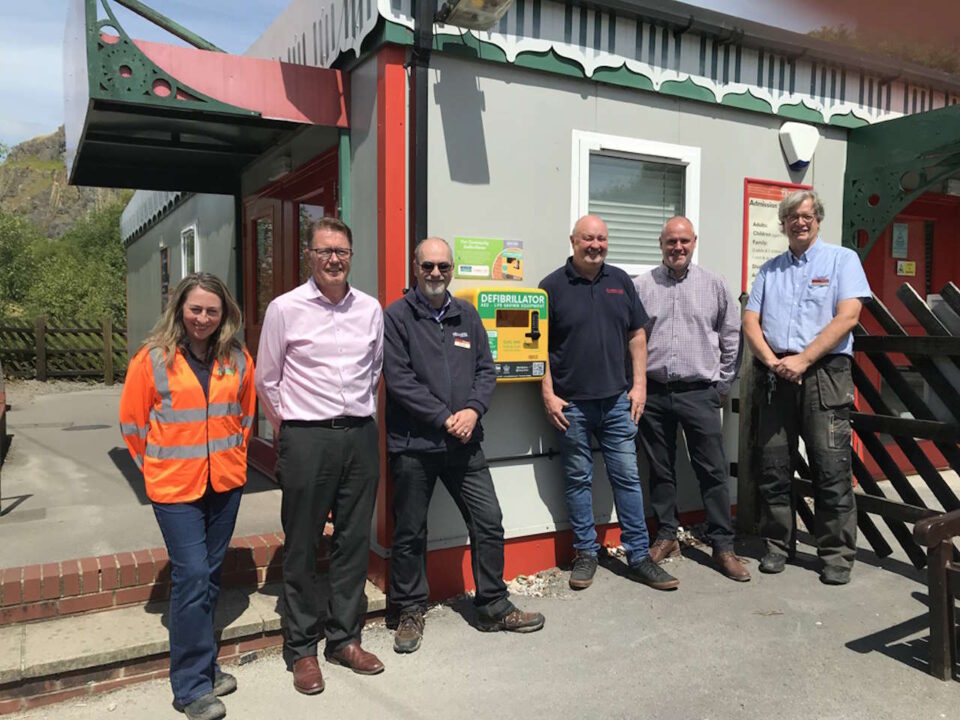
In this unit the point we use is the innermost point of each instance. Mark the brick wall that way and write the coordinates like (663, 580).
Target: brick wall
(37, 592)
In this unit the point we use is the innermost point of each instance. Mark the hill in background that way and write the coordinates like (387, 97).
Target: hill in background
(33, 186)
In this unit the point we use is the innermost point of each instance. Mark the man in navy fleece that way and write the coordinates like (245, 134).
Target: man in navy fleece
(440, 379)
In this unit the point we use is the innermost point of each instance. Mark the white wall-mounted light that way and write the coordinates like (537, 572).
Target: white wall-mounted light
(799, 141)
(473, 14)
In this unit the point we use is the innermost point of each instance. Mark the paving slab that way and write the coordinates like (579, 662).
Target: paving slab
(11, 653)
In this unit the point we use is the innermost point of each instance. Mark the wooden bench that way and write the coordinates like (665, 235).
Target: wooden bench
(943, 583)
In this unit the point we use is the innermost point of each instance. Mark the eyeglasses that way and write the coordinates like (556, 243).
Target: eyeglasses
(327, 253)
(428, 267)
(805, 218)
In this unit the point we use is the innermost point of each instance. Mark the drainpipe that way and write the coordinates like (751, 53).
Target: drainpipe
(419, 64)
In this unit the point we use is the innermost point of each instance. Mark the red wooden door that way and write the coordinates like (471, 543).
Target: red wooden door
(275, 223)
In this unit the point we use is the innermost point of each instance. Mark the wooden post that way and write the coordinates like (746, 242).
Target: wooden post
(40, 338)
(108, 351)
(747, 500)
(942, 623)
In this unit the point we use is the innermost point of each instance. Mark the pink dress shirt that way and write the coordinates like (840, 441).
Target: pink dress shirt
(317, 360)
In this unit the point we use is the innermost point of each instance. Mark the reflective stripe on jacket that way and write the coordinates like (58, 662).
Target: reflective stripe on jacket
(177, 436)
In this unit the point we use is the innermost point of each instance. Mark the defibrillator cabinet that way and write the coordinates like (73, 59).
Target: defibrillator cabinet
(517, 326)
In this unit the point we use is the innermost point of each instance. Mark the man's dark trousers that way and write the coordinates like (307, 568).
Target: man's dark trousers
(464, 472)
(320, 470)
(696, 408)
(818, 410)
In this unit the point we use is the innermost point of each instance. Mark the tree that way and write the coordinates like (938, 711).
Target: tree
(928, 54)
(18, 239)
(82, 276)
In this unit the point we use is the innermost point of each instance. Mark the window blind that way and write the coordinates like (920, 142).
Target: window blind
(635, 197)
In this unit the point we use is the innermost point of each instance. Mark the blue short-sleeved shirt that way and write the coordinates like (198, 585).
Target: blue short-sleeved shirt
(797, 297)
(590, 321)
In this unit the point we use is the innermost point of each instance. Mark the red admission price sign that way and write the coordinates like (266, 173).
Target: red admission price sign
(762, 238)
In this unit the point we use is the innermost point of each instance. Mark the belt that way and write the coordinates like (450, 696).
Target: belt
(677, 386)
(338, 423)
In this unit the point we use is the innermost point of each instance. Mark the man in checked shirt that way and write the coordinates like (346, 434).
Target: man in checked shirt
(693, 343)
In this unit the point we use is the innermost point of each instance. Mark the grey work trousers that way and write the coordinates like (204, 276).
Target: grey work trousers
(818, 410)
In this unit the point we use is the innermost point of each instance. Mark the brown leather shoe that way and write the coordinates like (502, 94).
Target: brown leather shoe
(356, 658)
(729, 564)
(513, 621)
(663, 548)
(307, 677)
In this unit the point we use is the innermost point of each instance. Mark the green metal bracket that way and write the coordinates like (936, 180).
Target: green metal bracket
(892, 163)
(119, 70)
(167, 24)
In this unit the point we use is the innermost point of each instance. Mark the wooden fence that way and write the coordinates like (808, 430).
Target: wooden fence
(77, 350)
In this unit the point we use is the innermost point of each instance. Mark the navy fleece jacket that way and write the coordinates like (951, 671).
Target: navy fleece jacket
(432, 370)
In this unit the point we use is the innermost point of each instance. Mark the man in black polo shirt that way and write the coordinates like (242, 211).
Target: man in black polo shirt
(596, 319)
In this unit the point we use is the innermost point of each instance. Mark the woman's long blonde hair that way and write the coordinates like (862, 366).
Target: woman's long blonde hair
(169, 333)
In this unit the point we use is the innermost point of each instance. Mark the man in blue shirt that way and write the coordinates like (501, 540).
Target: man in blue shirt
(596, 321)
(799, 319)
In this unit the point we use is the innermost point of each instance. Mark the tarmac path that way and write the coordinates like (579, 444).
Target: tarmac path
(70, 488)
(779, 647)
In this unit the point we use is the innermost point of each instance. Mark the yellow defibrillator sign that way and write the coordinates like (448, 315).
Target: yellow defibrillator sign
(517, 326)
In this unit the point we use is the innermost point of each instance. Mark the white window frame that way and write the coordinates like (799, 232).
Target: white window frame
(585, 143)
(183, 249)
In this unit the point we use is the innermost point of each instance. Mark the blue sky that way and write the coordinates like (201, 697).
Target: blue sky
(31, 40)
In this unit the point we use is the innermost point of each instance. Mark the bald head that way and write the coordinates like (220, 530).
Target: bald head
(589, 242)
(677, 243)
(433, 245)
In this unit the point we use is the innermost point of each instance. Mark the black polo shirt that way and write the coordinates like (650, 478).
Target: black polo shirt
(589, 324)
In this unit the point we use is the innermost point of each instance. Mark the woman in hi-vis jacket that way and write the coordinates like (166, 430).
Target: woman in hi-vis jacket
(186, 414)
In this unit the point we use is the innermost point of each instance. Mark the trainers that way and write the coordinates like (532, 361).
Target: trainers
(664, 548)
(584, 568)
(205, 707)
(514, 620)
(832, 575)
(409, 632)
(649, 573)
(773, 563)
(223, 683)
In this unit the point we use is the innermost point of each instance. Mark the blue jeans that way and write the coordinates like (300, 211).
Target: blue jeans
(609, 421)
(196, 534)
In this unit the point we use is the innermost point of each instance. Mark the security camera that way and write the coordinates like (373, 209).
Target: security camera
(798, 142)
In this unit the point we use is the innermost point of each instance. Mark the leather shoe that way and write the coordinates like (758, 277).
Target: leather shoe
(356, 658)
(773, 563)
(832, 575)
(729, 564)
(307, 677)
(514, 620)
(664, 548)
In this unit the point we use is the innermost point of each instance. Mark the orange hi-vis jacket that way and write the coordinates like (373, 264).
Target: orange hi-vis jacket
(177, 436)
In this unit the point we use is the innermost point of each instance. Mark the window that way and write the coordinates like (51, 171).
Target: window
(306, 214)
(188, 249)
(635, 186)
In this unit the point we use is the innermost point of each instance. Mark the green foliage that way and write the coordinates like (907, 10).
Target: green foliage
(938, 57)
(18, 238)
(81, 276)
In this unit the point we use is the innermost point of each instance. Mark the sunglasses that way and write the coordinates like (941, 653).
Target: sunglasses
(428, 267)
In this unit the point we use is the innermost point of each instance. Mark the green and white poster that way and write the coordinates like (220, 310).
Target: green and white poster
(488, 259)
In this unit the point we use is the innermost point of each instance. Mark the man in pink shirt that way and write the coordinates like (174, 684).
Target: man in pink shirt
(318, 367)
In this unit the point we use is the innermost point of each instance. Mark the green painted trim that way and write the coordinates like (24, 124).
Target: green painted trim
(467, 45)
(343, 170)
(800, 112)
(549, 61)
(398, 34)
(747, 101)
(135, 85)
(624, 77)
(848, 120)
(688, 89)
